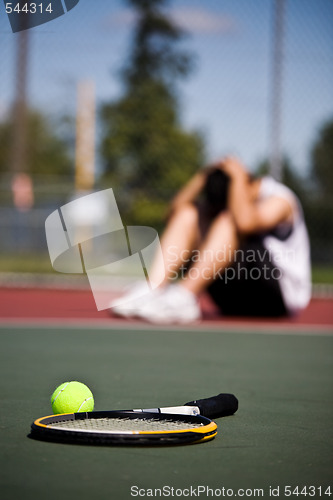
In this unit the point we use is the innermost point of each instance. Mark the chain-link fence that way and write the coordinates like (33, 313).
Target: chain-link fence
(261, 88)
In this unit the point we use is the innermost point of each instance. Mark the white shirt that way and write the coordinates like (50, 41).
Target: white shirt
(289, 249)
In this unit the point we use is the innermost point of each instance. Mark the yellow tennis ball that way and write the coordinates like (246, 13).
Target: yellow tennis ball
(72, 397)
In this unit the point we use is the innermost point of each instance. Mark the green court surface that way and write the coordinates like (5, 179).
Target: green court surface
(281, 435)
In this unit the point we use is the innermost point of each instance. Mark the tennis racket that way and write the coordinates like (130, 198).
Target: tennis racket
(152, 426)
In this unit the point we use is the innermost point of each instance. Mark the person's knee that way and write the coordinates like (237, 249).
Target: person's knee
(223, 230)
(224, 221)
(188, 214)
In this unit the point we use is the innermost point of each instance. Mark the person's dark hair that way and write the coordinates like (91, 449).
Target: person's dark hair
(216, 191)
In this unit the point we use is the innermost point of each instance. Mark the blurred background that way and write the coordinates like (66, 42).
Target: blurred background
(137, 95)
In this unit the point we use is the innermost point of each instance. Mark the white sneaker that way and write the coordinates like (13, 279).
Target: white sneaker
(128, 304)
(175, 304)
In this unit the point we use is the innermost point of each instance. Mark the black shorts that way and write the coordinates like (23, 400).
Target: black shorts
(250, 286)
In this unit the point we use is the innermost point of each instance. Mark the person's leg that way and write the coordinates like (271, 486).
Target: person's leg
(229, 275)
(179, 302)
(216, 253)
(179, 239)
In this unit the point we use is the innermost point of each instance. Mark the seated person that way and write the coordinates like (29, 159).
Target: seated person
(244, 242)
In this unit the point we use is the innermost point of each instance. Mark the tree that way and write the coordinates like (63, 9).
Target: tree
(146, 153)
(46, 152)
(322, 160)
(321, 206)
(46, 159)
(315, 194)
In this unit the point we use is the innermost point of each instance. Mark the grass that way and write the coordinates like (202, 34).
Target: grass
(322, 274)
(25, 263)
(40, 263)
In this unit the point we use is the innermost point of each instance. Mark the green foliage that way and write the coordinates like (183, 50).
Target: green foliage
(144, 141)
(46, 153)
(315, 193)
(147, 155)
(153, 54)
(322, 160)
(319, 205)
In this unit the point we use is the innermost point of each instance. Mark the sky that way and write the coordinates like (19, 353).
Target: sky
(228, 95)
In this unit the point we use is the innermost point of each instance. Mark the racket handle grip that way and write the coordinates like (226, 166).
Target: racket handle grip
(221, 405)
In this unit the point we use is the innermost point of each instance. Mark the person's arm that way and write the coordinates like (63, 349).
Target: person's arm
(253, 216)
(190, 191)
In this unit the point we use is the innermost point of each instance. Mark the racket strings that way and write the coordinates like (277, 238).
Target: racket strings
(124, 424)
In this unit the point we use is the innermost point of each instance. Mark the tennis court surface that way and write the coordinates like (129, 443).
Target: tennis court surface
(280, 436)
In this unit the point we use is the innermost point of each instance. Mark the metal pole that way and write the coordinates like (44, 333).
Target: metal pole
(276, 159)
(85, 137)
(19, 161)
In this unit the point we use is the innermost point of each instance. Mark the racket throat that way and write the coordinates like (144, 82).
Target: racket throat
(173, 410)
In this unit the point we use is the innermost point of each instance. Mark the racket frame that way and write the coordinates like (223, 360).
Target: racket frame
(41, 429)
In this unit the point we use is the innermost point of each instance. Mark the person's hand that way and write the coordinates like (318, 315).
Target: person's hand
(233, 167)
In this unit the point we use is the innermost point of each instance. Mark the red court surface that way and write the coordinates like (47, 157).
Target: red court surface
(52, 306)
